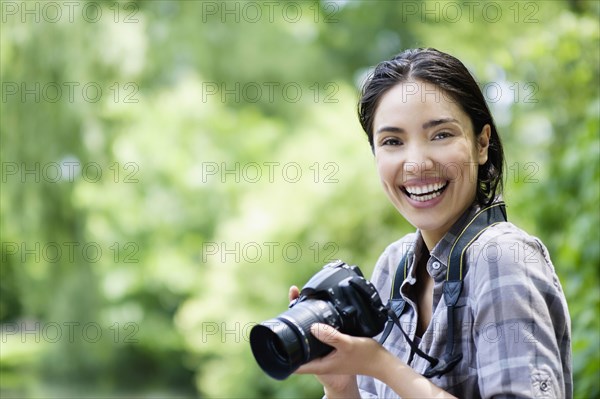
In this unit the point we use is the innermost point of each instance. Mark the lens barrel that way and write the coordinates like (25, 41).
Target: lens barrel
(283, 344)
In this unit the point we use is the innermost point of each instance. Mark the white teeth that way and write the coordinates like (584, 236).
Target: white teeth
(424, 198)
(429, 188)
(426, 192)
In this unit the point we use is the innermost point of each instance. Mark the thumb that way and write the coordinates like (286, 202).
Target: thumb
(326, 334)
(293, 293)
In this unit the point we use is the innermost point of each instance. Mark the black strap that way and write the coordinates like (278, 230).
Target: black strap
(396, 303)
(452, 287)
(483, 219)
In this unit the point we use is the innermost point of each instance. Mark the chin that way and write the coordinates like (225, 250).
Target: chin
(426, 225)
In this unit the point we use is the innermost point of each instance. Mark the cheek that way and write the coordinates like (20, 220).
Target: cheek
(465, 175)
(458, 164)
(452, 171)
(385, 168)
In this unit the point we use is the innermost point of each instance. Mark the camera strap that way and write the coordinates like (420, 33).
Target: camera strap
(452, 288)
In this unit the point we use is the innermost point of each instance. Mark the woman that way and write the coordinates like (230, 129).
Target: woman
(440, 161)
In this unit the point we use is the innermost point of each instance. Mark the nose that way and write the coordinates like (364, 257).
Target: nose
(418, 160)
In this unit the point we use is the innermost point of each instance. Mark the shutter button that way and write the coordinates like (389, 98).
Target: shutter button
(436, 265)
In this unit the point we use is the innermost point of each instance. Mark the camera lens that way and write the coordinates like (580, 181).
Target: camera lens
(283, 344)
(278, 349)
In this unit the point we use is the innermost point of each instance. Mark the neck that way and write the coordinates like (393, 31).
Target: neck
(431, 238)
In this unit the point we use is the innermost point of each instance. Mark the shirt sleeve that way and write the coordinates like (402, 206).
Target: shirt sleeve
(521, 322)
(366, 387)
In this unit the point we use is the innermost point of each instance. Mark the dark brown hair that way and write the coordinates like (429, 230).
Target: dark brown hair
(449, 74)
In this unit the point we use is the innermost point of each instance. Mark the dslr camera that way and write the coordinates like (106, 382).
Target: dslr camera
(339, 296)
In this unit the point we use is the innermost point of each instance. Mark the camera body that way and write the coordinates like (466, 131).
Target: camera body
(355, 299)
(338, 295)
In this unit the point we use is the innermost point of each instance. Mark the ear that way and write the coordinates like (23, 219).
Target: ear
(483, 144)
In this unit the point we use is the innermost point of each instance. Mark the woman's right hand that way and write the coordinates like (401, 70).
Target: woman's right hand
(334, 384)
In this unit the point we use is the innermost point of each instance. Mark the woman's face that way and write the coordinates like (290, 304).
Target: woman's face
(427, 156)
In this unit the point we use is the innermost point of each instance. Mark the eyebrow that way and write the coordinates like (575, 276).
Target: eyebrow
(436, 122)
(425, 126)
(390, 129)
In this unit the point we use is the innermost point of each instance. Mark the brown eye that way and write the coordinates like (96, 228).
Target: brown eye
(442, 135)
(391, 141)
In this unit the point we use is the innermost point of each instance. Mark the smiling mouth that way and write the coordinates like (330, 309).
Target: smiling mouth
(425, 192)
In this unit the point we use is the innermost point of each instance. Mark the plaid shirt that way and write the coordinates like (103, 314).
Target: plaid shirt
(515, 332)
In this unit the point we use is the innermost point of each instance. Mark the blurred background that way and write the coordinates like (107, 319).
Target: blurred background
(170, 168)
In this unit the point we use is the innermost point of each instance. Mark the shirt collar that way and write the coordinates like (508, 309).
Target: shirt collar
(441, 251)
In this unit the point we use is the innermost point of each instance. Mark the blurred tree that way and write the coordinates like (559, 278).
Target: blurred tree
(195, 248)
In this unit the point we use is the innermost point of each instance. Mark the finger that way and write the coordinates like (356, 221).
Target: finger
(327, 334)
(293, 293)
(316, 366)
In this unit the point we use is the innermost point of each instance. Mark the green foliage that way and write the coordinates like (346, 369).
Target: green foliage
(223, 162)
